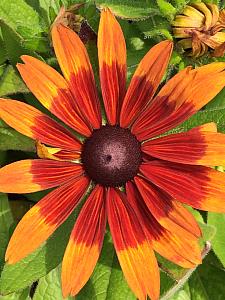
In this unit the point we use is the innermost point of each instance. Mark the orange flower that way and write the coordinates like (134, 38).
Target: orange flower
(159, 174)
(200, 28)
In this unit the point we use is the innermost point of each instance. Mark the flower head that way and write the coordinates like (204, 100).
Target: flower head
(158, 174)
(200, 28)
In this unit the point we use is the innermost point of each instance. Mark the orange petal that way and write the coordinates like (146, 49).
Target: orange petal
(184, 252)
(181, 97)
(32, 175)
(52, 91)
(145, 81)
(85, 243)
(36, 125)
(169, 213)
(112, 64)
(210, 127)
(134, 252)
(44, 218)
(178, 249)
(194, 147)
(200, 187)
(55, 153)
(75, 65)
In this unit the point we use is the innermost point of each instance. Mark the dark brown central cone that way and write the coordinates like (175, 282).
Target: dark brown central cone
(111, 156)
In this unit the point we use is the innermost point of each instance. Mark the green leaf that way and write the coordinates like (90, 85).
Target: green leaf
(24, 295)
(206, 282)
(155, 27)
(137, 44)
(218, 220)
(3, 155)
(14, 44)
(167, 9)
(92, 16)
(6, 221)
(21, 17)
(39, 44)
(130, 9)
(19, 207)
(211, 279)
(46, 9)
(49, 287)
(181, 295)
(10, 139)
(3, 54)
(180, 4)
(11, 83)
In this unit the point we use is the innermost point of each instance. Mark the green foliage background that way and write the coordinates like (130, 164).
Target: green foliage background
(24, 29)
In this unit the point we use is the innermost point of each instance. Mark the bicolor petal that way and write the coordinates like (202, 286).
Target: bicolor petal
(201, 187)
(134, 252)
(75, 65)
(169, 213)
(32, 175)
(181, 250)
(112, 64)
(181, 97)
(193, 147)
(44, 218)
(31, 122)
(52, 90)
(85, 243)
(145, 81)
(56, 153)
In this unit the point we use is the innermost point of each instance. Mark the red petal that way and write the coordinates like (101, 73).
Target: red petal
(200, 187)
(52, 90)
(194, 147)
(179, 249)
(44, 218)
(27, 176)
(85, 243)
(169, 213)
(145, 81)
(112, 64)
(135, 255)
(181, 97)
(75, 65)
(36, 125)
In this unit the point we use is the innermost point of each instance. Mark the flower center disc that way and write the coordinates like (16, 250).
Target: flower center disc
(111, 156)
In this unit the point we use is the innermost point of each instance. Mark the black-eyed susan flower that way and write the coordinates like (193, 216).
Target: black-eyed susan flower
(200, 28)
(158, 174)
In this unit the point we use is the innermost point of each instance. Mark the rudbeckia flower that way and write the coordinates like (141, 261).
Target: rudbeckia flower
(139, 181)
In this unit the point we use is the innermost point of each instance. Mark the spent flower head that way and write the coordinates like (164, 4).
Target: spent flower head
(200, 29)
